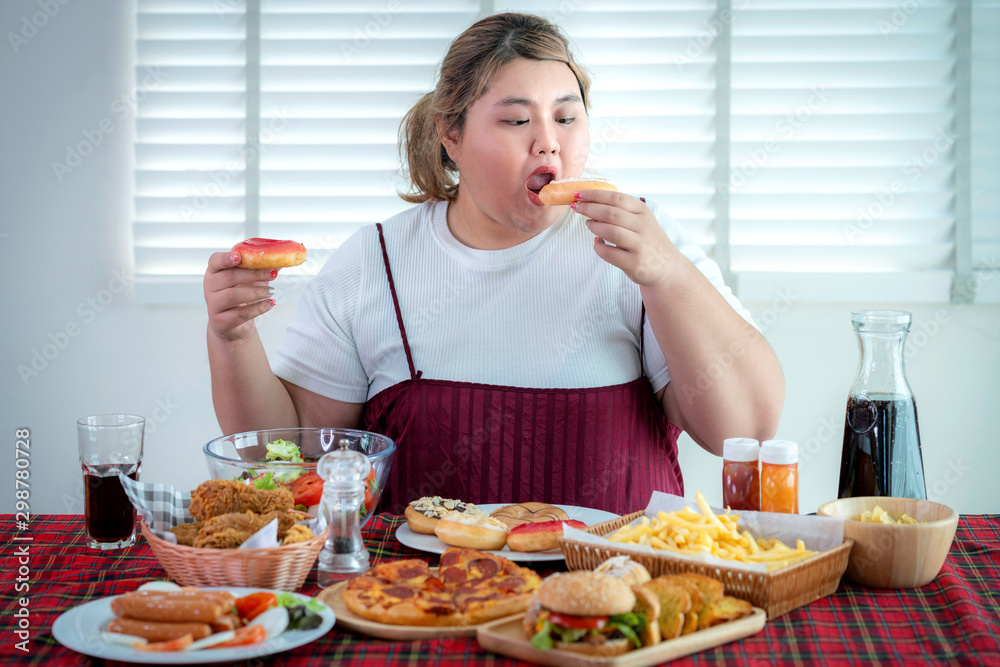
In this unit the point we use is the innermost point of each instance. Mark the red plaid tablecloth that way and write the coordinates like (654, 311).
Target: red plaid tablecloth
(955, 620)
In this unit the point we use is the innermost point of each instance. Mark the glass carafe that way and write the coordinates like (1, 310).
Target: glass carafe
(881, 454)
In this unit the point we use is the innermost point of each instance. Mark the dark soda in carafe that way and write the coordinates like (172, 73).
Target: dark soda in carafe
(110, 515)
(881, 454)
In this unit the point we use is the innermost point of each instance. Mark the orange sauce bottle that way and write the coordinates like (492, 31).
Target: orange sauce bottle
(740, 477)
(779, 476)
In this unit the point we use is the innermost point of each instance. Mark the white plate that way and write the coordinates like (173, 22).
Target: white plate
(432, 544)
(80, 629)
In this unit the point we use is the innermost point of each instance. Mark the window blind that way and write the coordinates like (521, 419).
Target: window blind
(809, 145)
(984, 278)
(190, 152)
(336, 80)
(653, 121)
(843, 145)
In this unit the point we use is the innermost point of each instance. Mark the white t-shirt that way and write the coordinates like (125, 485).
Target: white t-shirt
(548, 313)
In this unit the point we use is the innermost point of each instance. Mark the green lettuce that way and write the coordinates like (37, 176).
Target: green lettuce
(283, 450)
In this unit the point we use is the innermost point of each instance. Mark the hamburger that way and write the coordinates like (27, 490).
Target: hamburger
(590, 613)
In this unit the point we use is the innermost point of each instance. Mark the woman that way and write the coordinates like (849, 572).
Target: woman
(514, 351)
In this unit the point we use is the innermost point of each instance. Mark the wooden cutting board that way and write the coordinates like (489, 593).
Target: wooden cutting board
(506, 636)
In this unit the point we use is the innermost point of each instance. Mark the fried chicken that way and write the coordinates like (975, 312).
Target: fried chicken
(223, 496)
(186, 533)
(228, 531)
(297, 533)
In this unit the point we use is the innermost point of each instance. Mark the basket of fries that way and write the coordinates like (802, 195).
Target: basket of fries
(767, 572)
(282, 567)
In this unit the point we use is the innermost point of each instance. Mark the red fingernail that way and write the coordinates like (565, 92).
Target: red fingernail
(577, 195)
(235, 257)
(272, 302)
(573, 206)
(274, 273)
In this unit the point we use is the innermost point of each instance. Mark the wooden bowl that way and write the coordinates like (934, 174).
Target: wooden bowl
(895, 556)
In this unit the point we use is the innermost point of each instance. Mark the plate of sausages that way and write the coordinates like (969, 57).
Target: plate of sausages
(105, 628)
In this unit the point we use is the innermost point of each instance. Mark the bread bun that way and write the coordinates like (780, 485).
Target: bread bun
(625, 568)
(540, 536)
(474, 532)
(521, 513)
(257, 253)
(420, 523)
(585, 593)
(562, 192)
(609, 649)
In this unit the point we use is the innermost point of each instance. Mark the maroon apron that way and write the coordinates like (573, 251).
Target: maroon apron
(602, 447)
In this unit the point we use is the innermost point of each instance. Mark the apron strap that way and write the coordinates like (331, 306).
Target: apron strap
(414, 374)
(642, 327)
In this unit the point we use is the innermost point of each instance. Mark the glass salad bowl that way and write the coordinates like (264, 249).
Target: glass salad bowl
(266, 459)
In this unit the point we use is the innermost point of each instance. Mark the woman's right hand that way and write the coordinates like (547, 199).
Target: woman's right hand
(235, 296)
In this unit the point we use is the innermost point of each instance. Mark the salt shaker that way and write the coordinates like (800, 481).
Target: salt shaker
(344, 555)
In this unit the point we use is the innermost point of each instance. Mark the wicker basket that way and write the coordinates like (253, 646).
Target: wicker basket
(281, 568)
(777, 592)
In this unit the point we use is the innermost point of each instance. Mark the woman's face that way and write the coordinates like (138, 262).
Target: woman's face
(529, 127)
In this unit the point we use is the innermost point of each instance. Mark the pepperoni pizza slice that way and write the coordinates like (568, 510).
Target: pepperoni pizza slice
(472, 587)
(403, 592)
(486, 586)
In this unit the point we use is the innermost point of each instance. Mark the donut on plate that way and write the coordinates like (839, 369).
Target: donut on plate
(460, 529)
(423, 514)
(515, 515)
(259, 253)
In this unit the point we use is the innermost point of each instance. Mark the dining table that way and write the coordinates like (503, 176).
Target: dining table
(954, 620)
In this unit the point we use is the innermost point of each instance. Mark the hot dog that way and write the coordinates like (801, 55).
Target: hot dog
(186, 605)
(560, 193)
(539, 536)
(158, 631)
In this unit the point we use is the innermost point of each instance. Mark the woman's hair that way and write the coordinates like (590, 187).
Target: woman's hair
(472, 61)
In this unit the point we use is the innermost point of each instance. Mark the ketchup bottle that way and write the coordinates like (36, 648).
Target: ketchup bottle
(740, 477)
(779, 476)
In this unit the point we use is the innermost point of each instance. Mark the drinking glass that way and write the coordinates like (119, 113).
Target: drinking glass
(109, 444)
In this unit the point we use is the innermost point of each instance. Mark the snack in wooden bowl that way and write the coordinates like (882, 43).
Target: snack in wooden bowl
(902, 555)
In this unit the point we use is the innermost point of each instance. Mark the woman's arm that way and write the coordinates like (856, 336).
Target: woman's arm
(245, 392)
(725, 380)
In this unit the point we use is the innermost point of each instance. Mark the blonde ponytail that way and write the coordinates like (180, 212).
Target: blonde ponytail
(430, 169)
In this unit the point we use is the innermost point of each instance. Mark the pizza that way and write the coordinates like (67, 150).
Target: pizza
(471, 587)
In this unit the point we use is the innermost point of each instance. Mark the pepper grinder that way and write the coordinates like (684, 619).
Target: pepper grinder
(344, 555)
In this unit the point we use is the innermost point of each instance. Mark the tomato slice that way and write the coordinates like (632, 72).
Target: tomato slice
(578, 622)
(168, 645)
(255, 604)
(250, 634)
(307, 490)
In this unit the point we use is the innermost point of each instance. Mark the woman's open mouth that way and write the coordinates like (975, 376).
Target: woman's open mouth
(537, 181)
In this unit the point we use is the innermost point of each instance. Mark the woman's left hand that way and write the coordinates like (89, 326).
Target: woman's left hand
(641, 248)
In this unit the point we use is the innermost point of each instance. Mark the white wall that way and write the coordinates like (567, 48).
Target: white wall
(61, 244)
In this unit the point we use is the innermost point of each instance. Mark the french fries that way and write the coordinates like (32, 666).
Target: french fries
(688, 532)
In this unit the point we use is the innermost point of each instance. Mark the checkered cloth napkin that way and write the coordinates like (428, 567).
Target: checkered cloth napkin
(163, 507)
